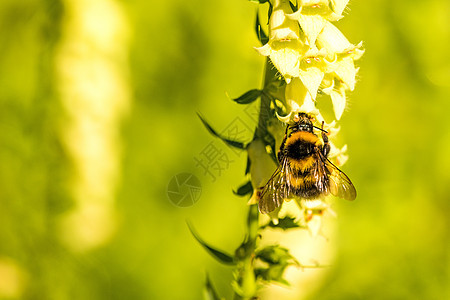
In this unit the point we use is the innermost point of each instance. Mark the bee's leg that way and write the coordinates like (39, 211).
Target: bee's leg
(280, 153)
(326, 143)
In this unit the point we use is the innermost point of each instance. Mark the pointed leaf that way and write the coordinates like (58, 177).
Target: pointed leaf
(237, 289)
(217, 254)
(248, 97)
(278, 259)
(269, 12)
(235, 144)
(293, 7)
(284, 223)
(210, 292)
(247, 168)
(276, 255)
(245, 189)
(273, 274)
(262, 36)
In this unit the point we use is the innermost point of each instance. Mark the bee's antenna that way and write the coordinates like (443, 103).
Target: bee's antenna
(321, 129)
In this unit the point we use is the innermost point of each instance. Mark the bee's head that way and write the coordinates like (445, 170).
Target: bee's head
(302, 122)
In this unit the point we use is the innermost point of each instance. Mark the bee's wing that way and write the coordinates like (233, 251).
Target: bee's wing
(276, 190)
(340, 185)
(320, 174)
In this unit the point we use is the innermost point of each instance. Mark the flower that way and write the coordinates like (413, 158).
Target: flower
(285, 45)
(307, 49)
(313, 213)
(298, 98)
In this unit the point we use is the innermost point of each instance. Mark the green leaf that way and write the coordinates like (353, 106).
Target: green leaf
(210, 292)
(245, 189)
(235, 144)
(262, 36)
(278, 259)
(269, 12)
(275, 255)
(284, 223)
(245, 249)
(293, 7)
(272, 274)
(248, 97)
(259, 1)
(237, 289)
(247, 168)
(217, 254)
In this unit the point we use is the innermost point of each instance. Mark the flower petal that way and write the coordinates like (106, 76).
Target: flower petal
(311, 78)
(339, 100)
(345, 70)
(264, 50)
(315, 7)
(299, 98)
(327, 84)
(338, 6)
(311, 25)
(340, 155)
(332, 39)
(280, 26)
(287, 61)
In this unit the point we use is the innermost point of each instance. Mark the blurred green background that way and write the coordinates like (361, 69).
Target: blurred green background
(183, 57)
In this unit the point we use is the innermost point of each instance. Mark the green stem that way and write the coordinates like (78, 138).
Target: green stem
(270, 73)
(247, 279)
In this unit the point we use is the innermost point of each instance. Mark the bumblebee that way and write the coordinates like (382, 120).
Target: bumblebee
(304, 169)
